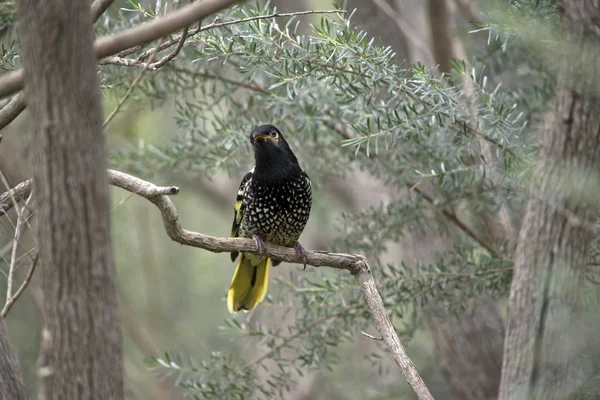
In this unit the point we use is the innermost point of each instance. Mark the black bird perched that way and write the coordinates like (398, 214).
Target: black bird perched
(273, 204)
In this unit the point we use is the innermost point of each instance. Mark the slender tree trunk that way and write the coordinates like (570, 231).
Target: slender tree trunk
(468, 350)
(373, 19)
(81, 355)
(11, 383)
(541, 345)
(441, 37)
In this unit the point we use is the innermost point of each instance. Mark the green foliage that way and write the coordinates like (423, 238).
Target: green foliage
(345, 104)
(342, 100)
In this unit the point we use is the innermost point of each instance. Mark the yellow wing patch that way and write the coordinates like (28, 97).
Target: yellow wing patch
(239, 208)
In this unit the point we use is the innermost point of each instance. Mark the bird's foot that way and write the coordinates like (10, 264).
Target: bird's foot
(260, 244)
(301, 252)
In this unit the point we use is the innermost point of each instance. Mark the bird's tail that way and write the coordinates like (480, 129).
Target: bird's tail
(249, 283)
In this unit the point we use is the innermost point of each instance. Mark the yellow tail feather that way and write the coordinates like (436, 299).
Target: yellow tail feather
(249, 283)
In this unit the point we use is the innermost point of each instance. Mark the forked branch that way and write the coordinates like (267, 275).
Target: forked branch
(356, 264)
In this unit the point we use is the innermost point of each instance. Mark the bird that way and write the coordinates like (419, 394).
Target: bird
(272, 206)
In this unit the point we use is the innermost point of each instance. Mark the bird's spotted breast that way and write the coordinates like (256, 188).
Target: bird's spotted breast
(277, 212)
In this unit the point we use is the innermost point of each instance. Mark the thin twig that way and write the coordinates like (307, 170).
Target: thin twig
(120, 59)
(355, 264)
(13, 258)
(412, 185)
(129, 91)
(371, 336)
(250, 86)
(457, 275)
(172, 54)
(293, 337)
(11, 301)
(11, 194)
(216, 24)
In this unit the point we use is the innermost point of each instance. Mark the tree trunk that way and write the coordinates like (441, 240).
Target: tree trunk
(441, 37)
(372, 18)
(81, 355)
(557, 230)
(468, 350)
(11, 383)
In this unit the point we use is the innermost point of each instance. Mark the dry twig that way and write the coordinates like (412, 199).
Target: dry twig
(129, 91)
(11, 301)
(23, 214)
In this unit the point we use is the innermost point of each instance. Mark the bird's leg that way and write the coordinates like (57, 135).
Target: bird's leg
(260, 244)
(301, 252)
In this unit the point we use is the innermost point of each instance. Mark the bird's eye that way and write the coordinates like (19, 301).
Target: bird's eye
(274, 134)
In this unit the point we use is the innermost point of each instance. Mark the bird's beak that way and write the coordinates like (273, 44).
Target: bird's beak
(261, 138)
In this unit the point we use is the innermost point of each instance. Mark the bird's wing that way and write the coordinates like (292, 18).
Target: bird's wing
(240, 207)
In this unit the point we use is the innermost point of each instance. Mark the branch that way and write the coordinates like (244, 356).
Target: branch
(456, 221)
(98, 8)
(129, 91)
(286, 341)
(16, 194)
(11, 301)
(356, 264)
(112, 44)
(139, 61)
(346, 134)
(9, 112)
(22, 217)
(17, 104)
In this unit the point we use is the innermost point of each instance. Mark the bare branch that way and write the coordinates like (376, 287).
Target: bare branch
(17, 104)
(172, 54)
(139, 61)
(250, 85)
(14, 195)
(129, 91)
(456, 221)
(145, 33)
(9, 112)
(22, 216)
(370, 336)
(6, 184)
(356, 264)
(11, 301)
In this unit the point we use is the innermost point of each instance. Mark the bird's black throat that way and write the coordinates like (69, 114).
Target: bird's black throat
(275, 164)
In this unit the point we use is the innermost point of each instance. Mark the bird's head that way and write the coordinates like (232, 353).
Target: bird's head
(271, 151)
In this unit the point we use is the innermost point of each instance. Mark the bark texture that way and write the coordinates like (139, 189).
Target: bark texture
(81, 350)
(468, 350)
(542, 342)
(11, 383)
(441, 37)
(373, 19)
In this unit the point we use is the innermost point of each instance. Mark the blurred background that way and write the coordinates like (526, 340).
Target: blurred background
(172, 298)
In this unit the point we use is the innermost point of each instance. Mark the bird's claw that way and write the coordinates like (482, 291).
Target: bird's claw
(301, 252)
(260, 244)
